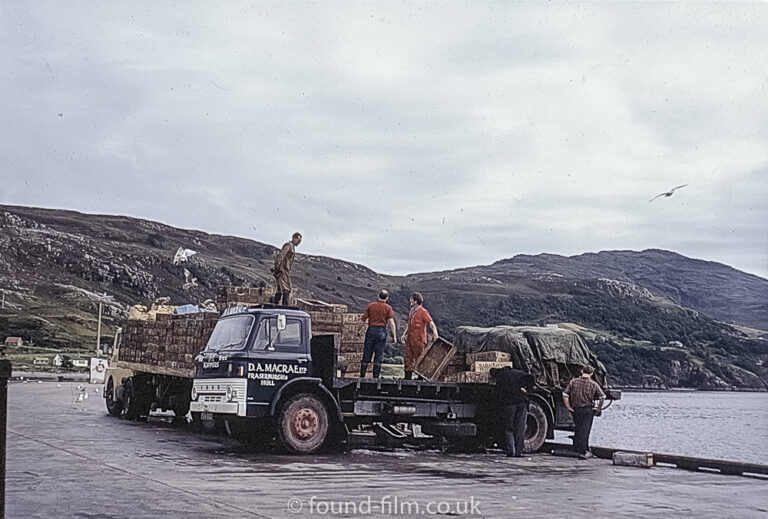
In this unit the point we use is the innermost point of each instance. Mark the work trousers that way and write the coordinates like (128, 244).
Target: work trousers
(375, 339)
(283, 288)
(582, 419)
(515, 417)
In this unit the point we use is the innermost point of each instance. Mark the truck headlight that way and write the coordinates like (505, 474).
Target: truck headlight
(194, 393)
(231, 393)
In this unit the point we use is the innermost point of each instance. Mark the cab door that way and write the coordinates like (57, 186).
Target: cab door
(279, 353)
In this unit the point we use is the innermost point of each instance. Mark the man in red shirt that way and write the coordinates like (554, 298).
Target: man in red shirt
(378, 314)
(415, 334)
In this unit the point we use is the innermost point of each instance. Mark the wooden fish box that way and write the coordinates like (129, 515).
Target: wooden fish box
(352, 358)
(486, 367)
(488, 356)
(633, 459)
(321, 318)
(315, 305)
(353, 332)
(470, 377)
(434, 359)
(351, 347)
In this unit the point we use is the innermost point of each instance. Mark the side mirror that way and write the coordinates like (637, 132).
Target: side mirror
(281, 322)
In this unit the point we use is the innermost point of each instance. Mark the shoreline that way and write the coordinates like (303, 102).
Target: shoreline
(687, 390)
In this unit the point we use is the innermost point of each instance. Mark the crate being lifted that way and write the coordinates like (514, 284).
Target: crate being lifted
(434, 359)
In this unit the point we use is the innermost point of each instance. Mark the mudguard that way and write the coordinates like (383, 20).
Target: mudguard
(314, 381)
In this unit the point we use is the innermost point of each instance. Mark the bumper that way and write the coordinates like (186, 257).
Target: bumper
(215, 407)
(212, 396)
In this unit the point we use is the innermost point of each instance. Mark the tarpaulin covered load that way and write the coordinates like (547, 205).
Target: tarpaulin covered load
(553, 355)
(557, 345)
(473, 339)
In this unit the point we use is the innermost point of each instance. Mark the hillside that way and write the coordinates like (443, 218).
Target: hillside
(717, 290)
(654, 317)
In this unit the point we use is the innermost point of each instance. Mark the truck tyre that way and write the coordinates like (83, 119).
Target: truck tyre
(536, 427)
(303, 424)
(114, 406)
(181, 407)
(136, 402)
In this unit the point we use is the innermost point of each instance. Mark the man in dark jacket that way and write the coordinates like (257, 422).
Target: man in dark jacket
(512, 388)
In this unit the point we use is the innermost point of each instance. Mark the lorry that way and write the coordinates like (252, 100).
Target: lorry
(265, 374)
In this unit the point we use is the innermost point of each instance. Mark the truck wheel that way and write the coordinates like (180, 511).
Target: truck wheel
(114, 407)
(136, 402)
(302, 425)
(181, 407)
(535, 428)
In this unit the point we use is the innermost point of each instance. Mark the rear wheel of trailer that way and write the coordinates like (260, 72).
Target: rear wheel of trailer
(114, 406)
(136, 400)
(536, 427)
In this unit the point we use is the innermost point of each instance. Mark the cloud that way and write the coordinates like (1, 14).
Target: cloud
(408, 138)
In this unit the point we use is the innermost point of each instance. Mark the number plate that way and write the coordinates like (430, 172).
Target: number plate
(208, 417)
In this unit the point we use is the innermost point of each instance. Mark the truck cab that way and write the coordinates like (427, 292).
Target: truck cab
(257, 367)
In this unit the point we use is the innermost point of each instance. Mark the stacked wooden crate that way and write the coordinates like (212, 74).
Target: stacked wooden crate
(245, 296)
(432, 363)
(477, 367)
(334, 318)
(168, 344)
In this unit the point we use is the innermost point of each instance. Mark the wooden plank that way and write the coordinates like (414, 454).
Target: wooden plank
(157, 370)
(315, 305)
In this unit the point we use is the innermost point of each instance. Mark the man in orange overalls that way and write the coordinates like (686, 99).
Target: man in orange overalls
(415, 334)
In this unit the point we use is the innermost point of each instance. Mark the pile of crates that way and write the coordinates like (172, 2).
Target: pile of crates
(245, 296)
(334, 318)
(168, 344)
(474, 368)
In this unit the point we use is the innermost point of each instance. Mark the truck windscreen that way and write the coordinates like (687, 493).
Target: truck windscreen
(231, 333)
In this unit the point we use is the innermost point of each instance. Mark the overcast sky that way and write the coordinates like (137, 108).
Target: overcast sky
(407, 137)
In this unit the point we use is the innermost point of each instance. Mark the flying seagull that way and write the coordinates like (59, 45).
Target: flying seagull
(668, 193)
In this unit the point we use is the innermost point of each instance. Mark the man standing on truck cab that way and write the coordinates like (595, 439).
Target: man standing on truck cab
(379, 315)
(512, 388)
(415, 334)
(282, 269)
(579, 398)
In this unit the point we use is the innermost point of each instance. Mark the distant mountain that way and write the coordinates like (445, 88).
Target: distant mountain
(708, 287)
(653, 316)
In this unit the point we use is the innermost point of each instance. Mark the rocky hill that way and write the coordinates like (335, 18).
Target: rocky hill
(654, 317)
(708, 287)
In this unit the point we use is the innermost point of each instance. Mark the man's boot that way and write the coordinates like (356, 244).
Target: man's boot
(408, 375)
(363, 369)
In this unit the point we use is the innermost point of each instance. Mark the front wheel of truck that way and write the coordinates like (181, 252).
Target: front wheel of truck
(303, 424)
(535, 428)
